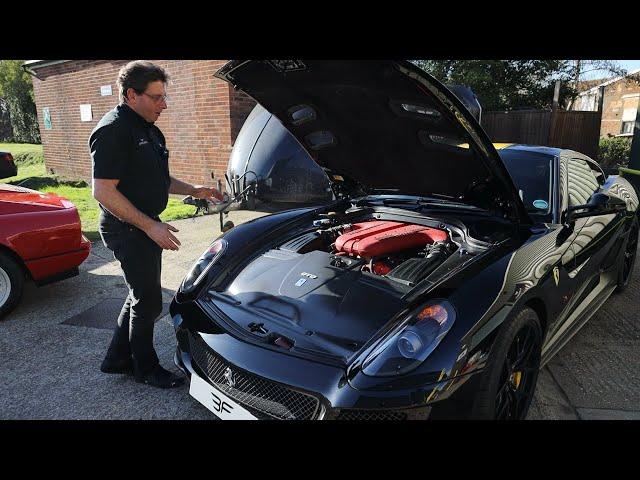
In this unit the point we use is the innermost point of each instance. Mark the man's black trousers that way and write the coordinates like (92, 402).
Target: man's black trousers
(141, 262)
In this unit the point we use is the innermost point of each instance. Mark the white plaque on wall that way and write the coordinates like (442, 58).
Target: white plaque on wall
(85, 113)
(105, 90)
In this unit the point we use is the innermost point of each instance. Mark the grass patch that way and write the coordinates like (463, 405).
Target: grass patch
(32, 174)
(84, 202)
(177, 210)
(24, 154)
(18, 148)
(27, 172)
(78, 192)
(90, 211)
(28, 158)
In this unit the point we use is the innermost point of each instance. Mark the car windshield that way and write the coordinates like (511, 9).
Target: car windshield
(531, 174)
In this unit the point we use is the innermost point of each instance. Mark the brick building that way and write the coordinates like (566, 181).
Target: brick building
(203, 117)
(619, 107)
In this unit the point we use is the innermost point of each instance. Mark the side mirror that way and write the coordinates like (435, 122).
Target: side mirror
(599, 204)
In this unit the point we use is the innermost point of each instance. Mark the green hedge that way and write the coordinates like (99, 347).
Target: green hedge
(28, 158)
(614, 151)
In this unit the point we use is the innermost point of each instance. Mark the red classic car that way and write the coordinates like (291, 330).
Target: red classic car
(40, 239)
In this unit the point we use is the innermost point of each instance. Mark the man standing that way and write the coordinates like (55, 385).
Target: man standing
(131, 181)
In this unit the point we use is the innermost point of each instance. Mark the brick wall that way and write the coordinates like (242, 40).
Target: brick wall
(203, 117)
(613, 105)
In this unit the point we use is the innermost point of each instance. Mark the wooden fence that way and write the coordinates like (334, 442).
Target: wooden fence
(574, 130)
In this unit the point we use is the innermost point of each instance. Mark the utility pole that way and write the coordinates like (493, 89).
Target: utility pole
(576, 74)
(556, 96)
(554, 112)
(600, 101)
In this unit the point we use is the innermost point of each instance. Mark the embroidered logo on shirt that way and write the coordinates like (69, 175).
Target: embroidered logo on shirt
(142, 141)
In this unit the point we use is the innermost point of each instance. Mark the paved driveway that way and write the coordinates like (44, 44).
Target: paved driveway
(51, 347)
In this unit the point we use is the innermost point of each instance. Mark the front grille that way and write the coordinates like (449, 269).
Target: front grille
(263, 398)
(371, 415)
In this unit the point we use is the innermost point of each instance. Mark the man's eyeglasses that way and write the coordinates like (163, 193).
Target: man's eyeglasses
(157, 98)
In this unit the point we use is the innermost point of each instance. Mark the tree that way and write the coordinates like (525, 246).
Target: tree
(16, 89)
(517, 84)
(578, 70)
(6, 133)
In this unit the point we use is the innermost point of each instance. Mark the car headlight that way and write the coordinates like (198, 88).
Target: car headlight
(408, 345)
(203, 264)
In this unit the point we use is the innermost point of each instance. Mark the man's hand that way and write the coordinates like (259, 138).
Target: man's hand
(208, 193)
(161, 234)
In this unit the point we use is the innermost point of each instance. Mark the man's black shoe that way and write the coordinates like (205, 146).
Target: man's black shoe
(161, 378)
(125, 368)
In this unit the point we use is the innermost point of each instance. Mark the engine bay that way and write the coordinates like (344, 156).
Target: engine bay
(330, 284)
(404, 252)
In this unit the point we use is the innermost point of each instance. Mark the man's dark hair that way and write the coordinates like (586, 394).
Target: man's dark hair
(137, 75)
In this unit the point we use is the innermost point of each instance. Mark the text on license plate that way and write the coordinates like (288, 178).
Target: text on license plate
(220, 404)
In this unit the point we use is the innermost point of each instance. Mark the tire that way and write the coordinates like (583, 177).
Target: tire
(628, 260)
(11, 284)
(506, 396)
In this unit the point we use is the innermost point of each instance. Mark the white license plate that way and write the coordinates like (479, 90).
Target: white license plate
(222, 406)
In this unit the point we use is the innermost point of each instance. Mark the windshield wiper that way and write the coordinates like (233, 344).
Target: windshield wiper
(439, 201)
(438, 204)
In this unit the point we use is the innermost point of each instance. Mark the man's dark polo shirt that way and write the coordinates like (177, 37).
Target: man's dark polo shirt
(126, 147)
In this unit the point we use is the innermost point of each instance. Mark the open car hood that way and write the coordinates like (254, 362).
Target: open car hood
(382, 125)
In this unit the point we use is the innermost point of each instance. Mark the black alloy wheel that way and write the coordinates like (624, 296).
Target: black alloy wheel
(511, 373)
(628, 257)
(518, 376)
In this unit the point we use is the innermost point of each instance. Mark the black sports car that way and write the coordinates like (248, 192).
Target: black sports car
(437, 293)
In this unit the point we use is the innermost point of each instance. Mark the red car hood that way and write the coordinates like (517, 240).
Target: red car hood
(15, 199)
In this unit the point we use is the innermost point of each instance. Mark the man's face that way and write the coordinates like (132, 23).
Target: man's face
(149, 104)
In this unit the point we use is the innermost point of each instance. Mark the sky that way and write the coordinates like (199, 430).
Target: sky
(629, 65)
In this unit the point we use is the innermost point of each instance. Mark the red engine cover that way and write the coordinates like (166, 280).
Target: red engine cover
(372, 239)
